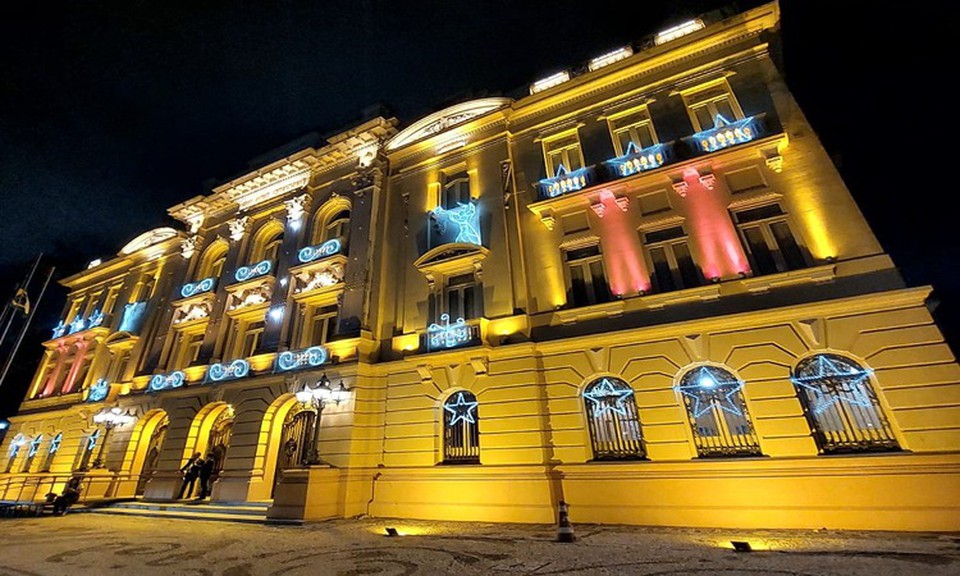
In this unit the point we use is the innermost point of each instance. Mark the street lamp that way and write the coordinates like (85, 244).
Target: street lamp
(317, 398)
(110, 419)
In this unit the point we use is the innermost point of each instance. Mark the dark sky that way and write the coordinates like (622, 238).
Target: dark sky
(110, 112)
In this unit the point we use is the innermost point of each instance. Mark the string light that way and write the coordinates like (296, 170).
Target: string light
(446, 334)
(608, 396)
(238, 368)
(461, 410)
(292, 360)
(467, 219)
(244, 273)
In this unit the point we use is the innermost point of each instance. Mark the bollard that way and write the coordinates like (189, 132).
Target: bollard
(564, 528)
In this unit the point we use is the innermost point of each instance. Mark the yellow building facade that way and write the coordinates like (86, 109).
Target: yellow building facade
(642, 289)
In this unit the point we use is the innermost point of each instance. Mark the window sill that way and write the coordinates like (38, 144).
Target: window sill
(593, 311)
(700, 293)
(815, 275)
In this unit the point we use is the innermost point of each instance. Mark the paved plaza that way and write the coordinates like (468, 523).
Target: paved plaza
(140, 546)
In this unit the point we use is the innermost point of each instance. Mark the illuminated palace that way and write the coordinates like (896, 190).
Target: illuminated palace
(641, 288)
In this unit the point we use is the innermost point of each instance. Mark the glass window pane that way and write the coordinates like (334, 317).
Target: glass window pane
(703, 116)
(600, 290)
(689, 273)
(662, 275)
(572, 158)
(623, 138)
(725, 109)
(754, 214)
(788, 245)
(470, 302)
(578, 286)
(762, 257)
(454, 308)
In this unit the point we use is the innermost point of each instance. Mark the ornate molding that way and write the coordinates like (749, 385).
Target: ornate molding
(297, 207)
(238, 227)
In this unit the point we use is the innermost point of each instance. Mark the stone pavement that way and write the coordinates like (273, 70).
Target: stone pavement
(101, 544)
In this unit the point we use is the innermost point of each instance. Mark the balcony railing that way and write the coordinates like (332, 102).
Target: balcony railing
(565, 182)
(637, 160)
(450, 334)
(725, 134)
(193, 288)
(252, 271)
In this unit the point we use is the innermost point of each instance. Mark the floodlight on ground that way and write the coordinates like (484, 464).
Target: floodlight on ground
(391, 531)
(739, 546)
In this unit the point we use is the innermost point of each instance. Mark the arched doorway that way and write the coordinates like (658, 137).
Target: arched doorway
(218, 440)
(151, 457)
(295, 440)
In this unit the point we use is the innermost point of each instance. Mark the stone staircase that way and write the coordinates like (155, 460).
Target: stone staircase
(246, 512)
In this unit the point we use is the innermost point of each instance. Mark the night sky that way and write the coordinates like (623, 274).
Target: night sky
(110, 112)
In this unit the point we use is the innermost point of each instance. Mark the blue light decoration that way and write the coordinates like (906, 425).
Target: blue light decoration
(447, 335)
(726, 133)
(608, 397)
(854, 392)
(461, 410)
(308, 357)
(466, 217)
(219, 372)
(35, 446)
(565, 181)
(15, 444)
(194, 288)
(59, 330)
(133, 316)
(635, 160)
(95, 319)
(77, 325)
(55, 443)
(245, 273)
(167, 381)
(92, 439)
(328, 248)
(708, 389)
(98, 391)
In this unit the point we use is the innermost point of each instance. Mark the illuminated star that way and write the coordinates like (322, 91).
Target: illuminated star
(55, 443)
(707, 390)
(826, 368)
(461, 410)
(604, 391)
(92, 439)
(35, 445)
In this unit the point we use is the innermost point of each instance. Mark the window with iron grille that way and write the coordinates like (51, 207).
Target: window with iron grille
(612, 419)
(841, 406)
(718, 413)
(461, 429)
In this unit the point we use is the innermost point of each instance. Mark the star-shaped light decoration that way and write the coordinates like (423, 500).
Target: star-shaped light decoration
(77, 325)
(854, 392)
(608, 397)
(710, 388)
(34, 446)
(92, 439)
(461, 410)
(55, 443)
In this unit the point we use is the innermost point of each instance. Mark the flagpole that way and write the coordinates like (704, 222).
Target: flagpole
(23, 331)
(24, 286)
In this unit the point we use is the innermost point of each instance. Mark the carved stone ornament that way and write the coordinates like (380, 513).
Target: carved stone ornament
(323, 278)
(191, 312)
(189, 246)
(296, 207)
(251, 296)
(238, 227)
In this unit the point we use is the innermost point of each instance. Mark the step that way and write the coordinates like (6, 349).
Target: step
(209, 516)
(198, 508)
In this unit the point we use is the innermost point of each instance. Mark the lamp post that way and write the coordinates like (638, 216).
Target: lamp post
(110, 419)
(317, 398)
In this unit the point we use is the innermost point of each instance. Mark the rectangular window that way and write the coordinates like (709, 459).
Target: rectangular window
(588, 283)
(111, 300)
(455, 191)
(188, 349)
(251, 339)
(671, 263)
(769, 240)
(323, 324)
(563, 151)
(461, 297)
(633, 127)
(705, 104)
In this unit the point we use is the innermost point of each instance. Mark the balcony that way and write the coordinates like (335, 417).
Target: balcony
(726, 134)
(79, 324)
(565, 182)
(637, 160)
(192, 289)
(447, 334)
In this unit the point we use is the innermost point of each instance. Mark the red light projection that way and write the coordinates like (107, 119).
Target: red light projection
(622, 254)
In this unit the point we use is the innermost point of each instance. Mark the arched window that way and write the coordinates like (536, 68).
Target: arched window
(612, 418)
(213, 260)
(841, 406)
(461, 429)
(52, 451)
(338, 226)
(32, 451)
(18, 441)
(268, 242)
(718, 413)
(87, 447)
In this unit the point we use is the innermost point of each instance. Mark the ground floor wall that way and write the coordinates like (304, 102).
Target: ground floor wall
(384, 449)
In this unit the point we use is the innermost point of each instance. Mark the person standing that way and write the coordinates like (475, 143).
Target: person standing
(206, 471)
(190, 472)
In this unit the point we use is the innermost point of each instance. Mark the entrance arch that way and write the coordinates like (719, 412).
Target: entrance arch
(280, 424)
(143, 449)
(210, 434)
